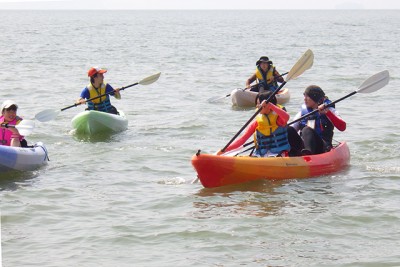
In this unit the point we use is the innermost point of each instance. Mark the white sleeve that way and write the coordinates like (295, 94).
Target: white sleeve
(296, 125)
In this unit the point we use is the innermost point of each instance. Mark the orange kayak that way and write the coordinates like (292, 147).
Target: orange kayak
(214, 171)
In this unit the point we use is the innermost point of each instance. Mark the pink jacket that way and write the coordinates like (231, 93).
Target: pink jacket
(6, 135)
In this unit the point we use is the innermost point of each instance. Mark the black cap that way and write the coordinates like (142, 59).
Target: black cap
(263, 59)
(315, 93)
(264, 96)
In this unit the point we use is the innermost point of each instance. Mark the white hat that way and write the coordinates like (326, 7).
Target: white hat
(7, 104)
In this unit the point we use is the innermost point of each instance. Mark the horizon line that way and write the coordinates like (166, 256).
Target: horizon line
(193, 9)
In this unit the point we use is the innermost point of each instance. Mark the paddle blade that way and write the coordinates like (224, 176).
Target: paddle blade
(150, 79)
(304, 63)
(47, 115)
(25, 127)
(375, 82)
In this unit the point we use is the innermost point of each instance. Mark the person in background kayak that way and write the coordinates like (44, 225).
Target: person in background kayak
(10, 136)
(266, 75)
(97, 87)
(269, 129)
(316, 131)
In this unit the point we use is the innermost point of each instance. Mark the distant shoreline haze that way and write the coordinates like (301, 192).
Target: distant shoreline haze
(189, 5)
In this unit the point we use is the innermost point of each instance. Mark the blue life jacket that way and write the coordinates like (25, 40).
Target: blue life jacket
(323, 126)
(269, 136)
(275, 143)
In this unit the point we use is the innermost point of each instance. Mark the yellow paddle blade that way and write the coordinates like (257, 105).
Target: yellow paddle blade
(304, 63)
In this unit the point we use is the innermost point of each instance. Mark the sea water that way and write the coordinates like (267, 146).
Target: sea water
(128, 199)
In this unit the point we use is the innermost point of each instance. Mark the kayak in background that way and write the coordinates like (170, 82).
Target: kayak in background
(91, 122)
(23, 158)
(215, 171)
(247, 98)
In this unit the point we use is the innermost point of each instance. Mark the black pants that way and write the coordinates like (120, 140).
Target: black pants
(113, 110)
(308, 140)
(24, 143)
(295, 141)
(312, 141)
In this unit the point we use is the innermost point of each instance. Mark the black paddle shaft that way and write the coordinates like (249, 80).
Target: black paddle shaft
(252, 117)
(256, 85)
(316, 110)
(93, 98)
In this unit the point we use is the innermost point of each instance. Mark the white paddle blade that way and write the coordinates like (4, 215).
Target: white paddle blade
(47, 115)
(375, 82)
(25, 127)
(150, 79)
(304, 63)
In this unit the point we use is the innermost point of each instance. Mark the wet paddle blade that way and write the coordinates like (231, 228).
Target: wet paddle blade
(150, 79)
(375, 82)
(47, 115)
(25, 127)
(304, 63)
(372, 84)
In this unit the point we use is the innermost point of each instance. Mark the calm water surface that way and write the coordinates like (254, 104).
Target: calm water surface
(128, 200)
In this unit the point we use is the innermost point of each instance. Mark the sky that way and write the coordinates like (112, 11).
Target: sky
(199, 4)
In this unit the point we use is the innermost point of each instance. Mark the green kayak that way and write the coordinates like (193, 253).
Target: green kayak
(91, 122)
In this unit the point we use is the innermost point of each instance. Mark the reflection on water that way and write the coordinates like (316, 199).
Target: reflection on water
(260, 186)
(13, 180)
(270, 198)
(100, 137)
(258, 198)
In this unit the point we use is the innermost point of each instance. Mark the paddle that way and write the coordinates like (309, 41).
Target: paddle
(372, 84)
(303, 64)
(217, 98)
(51, 114)
(25, 127)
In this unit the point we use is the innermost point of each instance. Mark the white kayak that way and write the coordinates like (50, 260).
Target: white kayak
(246, 98)
(92, 122)
(22, 158)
